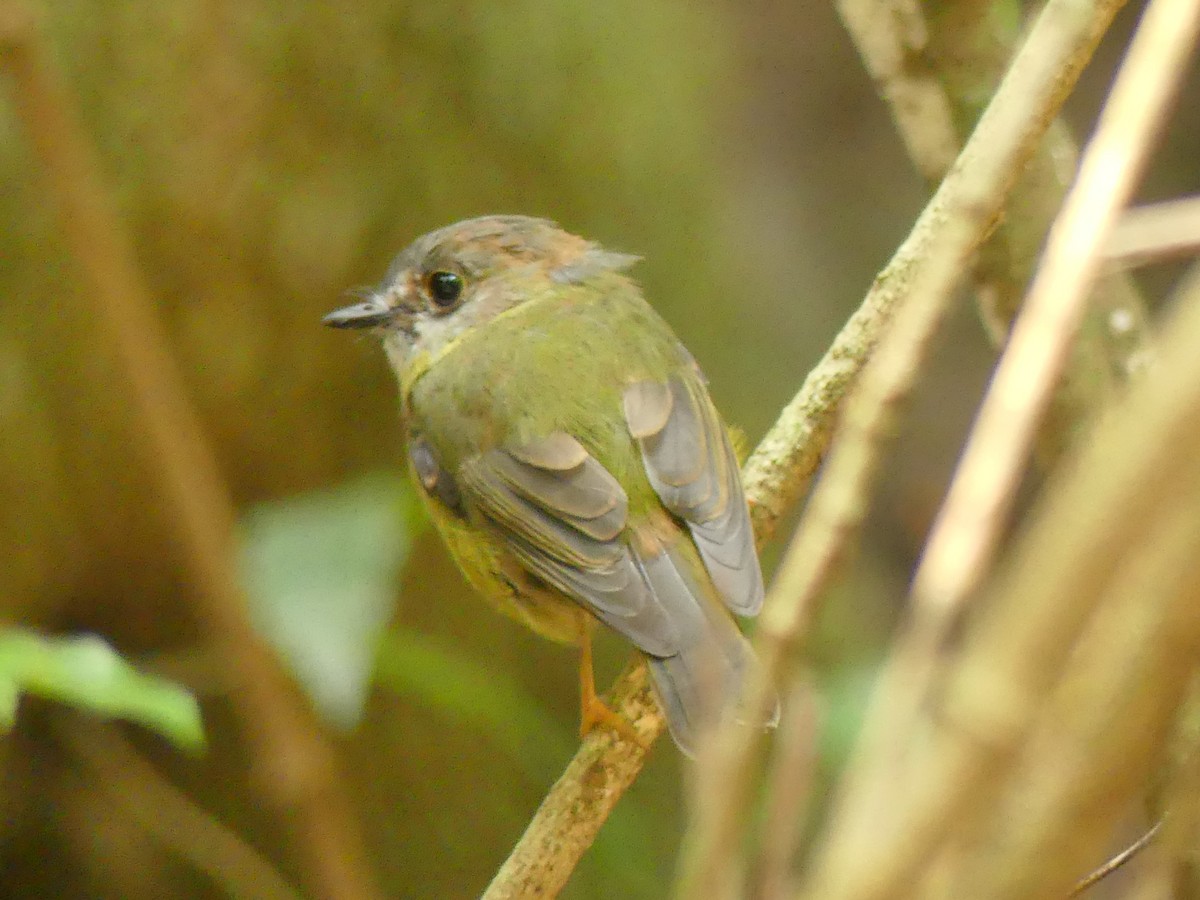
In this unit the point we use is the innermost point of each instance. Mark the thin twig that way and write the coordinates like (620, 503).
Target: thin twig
(1095, 877)
(1151, 233)
(934, 259)
(893, 39)
(170, 816)
(297, 770)
(791, 776)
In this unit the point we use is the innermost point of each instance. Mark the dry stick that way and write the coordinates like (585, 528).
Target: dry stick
(932, 261)
(936, 65)
(892, 38)
(951, 564)
(1057, 574)
(1149, 233)
(967, 529)
(1098, 741)
(1113, 707)
(1121, 859)
(791, 778)
(172, 817)
(296, 768)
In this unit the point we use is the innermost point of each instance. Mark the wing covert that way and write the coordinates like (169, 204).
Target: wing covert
(691, 466)
(564, 522)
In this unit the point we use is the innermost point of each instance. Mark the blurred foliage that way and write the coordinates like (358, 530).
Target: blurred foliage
(86, 672)
(321, 573)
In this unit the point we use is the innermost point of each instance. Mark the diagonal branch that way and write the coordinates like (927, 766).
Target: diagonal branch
(936, 64)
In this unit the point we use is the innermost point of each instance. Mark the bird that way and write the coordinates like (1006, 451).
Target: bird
(566, 447)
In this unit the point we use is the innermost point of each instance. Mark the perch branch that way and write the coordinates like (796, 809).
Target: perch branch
(296, 768)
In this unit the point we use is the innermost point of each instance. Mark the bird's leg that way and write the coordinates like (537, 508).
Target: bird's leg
(594, 712)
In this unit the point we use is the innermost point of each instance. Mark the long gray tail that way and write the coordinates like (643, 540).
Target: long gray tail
(699, 684)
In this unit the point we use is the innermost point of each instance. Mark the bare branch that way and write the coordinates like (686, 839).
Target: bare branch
(927, 794)
(1160, 231)
(936, 65)
(966, 531)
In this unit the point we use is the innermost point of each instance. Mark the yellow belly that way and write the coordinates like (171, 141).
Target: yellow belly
(495, 573)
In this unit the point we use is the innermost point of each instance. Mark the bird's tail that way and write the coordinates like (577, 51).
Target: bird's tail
(706, 678)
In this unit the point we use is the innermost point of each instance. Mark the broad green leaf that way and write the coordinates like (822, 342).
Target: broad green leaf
(85, 671)
(322, 572)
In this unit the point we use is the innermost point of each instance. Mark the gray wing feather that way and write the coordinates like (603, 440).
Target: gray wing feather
(565, 525)
(692, 467)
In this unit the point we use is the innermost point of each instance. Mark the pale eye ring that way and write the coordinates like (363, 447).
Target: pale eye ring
(445, 289)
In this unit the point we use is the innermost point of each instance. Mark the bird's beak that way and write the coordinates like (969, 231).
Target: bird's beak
(368, 314)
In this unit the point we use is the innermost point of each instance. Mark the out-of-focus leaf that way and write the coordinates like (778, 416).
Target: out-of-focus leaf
(85, 671)
(322, 572)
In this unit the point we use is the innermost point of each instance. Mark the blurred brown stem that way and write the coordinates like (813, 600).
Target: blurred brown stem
(1053, 722)
(967, 530)
(936, 65)
(169, 815)
(296, 768)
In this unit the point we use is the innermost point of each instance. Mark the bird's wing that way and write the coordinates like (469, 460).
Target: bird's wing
(691, 465)
(562, 514)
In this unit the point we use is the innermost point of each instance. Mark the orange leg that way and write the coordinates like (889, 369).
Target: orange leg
(594, 712)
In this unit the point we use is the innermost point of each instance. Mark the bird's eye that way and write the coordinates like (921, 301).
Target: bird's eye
(445, 289)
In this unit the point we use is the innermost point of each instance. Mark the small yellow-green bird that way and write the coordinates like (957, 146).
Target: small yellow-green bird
(567, 449)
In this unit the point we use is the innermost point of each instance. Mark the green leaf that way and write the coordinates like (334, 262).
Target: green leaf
(85, 671)
(322, 573)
